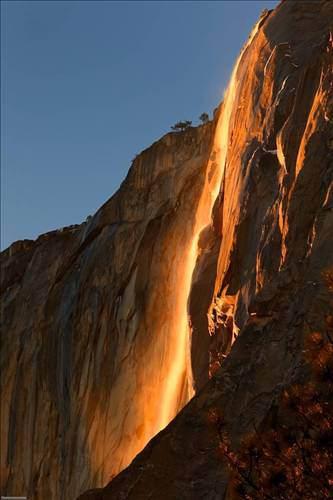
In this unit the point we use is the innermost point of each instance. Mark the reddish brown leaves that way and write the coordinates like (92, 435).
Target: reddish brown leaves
(294, 458)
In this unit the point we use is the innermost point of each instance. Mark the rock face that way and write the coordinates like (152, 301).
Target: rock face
(93, 314)
(86, 351)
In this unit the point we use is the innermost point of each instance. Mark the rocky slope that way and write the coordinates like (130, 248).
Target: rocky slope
(85, 351)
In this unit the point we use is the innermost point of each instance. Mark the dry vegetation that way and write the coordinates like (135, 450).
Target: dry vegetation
(293, 459)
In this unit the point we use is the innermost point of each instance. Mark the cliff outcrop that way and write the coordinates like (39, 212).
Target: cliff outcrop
(94, 315)
(83, 311)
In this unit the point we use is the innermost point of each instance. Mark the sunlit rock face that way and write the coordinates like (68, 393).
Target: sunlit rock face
(94, 359)
(232, 220)
(259, 274)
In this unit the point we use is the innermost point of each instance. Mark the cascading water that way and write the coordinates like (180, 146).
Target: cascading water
(154, 379)
(173, 401)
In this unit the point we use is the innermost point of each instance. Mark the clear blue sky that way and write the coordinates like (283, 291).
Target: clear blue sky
(86, 85)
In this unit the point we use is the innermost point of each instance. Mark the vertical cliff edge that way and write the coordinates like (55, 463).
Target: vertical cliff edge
(201, 276)
(86, 317)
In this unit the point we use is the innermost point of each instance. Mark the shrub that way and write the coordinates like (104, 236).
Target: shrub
(181, 126)
(204, 117)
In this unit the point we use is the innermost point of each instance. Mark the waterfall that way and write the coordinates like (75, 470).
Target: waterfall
(154, 373)
(172, 399)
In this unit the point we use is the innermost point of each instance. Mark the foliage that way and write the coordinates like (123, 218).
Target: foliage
(181, 125)
(294, 458)
(204, 117)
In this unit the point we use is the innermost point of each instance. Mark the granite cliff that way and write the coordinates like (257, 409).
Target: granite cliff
(200, 277)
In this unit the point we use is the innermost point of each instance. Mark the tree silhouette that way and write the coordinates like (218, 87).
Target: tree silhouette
(181, 125)
(204, 117)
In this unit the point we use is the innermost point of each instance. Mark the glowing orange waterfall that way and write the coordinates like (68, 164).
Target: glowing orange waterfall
(173, 400)
(154, 373)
